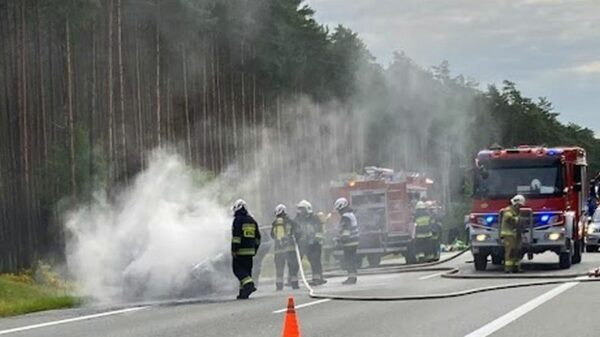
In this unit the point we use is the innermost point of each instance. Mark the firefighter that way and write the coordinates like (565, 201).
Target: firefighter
(511, 234)
(311, 242)
(423, 232)
(245, 242)
(283, 232)
(436, 229)
(348, 238)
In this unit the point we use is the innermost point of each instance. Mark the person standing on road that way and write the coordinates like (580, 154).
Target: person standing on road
(283, 232)
(423, 232)
(311, 243)
(348, 238)
(245, 241)
(511, 234)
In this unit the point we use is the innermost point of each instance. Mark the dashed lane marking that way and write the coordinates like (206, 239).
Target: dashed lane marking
(513, 315)
(71, 320)
(303, 305)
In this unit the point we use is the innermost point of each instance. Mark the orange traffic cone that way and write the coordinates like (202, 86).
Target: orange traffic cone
(290, 323)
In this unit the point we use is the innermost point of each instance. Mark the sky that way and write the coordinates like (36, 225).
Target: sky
(549, 48)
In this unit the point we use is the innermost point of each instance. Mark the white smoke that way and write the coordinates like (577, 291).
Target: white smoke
(146, 242)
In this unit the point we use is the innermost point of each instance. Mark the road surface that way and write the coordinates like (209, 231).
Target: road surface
(555, 310)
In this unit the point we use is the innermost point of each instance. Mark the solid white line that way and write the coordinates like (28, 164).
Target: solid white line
(304, 305)
(427, 277)
(71, 320)
(510, 317)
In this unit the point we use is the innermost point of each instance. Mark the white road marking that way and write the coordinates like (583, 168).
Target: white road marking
(71, 320)
(304, 305)
(512, 316)
(427, 277)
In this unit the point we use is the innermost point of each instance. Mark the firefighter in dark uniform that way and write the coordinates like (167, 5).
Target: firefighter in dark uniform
(283, 232)
(423, 232)
(436, 230)
(348, 238)
(311, 242)
(511, 234)
(245, 242)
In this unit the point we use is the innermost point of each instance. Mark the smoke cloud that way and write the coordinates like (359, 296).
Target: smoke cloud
(154, 239)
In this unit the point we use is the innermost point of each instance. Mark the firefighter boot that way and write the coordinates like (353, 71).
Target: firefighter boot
(279, 286)
(350, 280)
(295, 285)
(317, 282)
(246, 291)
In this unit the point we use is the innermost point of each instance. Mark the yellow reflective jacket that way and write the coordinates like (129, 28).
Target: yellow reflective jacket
(510, 221)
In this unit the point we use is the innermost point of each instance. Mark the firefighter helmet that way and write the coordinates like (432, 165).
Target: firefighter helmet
(518, 200)
(280, 209)
(238, 204)
(341, 203)
(306, 205)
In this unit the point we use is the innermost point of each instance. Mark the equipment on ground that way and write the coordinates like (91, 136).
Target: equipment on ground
(592, 237)
(554, 182)
(383, 202)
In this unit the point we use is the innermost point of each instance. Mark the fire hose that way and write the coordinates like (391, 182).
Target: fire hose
(452, 273)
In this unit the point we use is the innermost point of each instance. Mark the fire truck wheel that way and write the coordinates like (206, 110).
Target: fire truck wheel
(374, 260)
(578, 250)
(591, 249)
(497, 259)
(564, 260)
(480, 261)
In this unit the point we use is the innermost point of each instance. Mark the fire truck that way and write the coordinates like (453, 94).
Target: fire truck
(383, 202)
(553, 180)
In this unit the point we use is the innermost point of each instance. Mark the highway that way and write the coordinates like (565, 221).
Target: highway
(552, 310)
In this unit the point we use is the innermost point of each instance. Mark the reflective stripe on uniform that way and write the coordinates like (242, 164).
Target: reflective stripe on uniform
(236, 239)
(508, 233)
(246, 280)
(423, 235)
(246, 251)
(350, 244)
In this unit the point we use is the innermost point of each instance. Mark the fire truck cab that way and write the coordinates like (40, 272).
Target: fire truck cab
(383, 202)
(553, 180)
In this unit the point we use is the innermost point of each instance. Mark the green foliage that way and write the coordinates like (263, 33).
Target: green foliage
(20, 294)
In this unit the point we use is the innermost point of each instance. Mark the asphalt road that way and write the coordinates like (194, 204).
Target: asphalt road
(555, 310)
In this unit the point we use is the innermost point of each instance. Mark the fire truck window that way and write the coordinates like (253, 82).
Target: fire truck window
(532, 181)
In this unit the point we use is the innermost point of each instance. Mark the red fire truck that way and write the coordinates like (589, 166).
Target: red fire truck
(383, 202)
(553, 180)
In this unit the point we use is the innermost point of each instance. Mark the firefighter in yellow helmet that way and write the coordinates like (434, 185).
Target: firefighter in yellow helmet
(283, 232)
(511, 234)
(423, 231)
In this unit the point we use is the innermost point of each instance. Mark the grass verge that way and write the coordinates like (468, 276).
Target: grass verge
(20, 296)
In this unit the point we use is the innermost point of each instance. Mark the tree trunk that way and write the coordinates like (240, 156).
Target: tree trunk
(70, 112)
(109, 88)
(140, 126)
(188, 130)
(122, 92)
(94, 103)
(158, 103)
(205, 123)
(42, 91)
